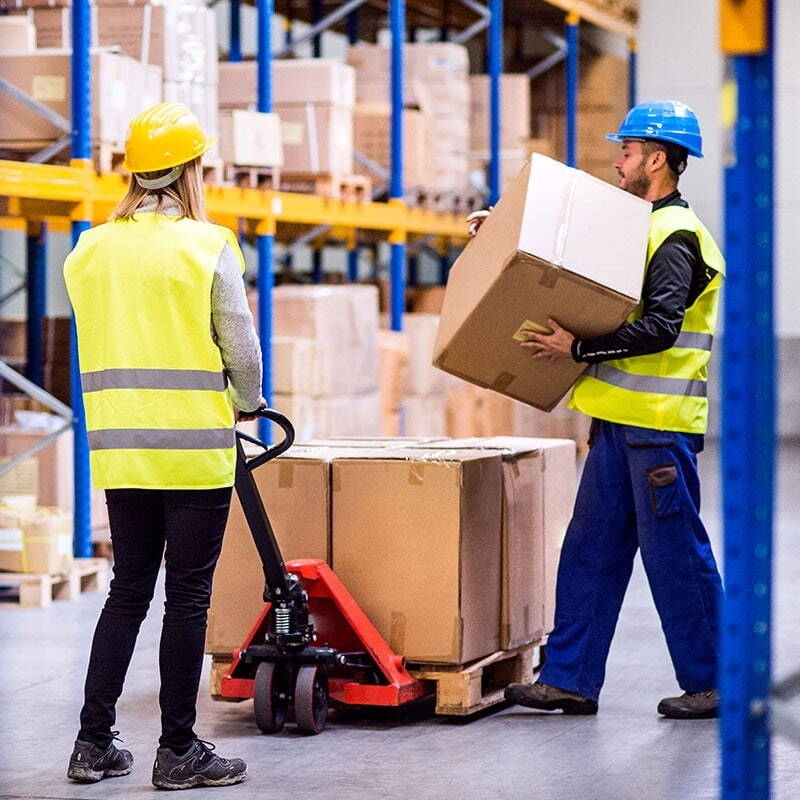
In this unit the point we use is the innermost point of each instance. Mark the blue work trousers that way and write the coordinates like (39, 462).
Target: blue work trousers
(640, 489)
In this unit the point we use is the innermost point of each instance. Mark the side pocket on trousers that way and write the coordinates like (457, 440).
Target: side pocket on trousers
(665, 491)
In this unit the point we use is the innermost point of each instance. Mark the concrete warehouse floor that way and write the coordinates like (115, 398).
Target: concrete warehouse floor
(626, 753)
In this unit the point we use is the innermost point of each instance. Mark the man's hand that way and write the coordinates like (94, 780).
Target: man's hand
(243, 416)
(476, 219)
(557, 344)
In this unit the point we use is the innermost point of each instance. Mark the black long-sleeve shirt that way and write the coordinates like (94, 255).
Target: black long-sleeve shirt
(676, 277)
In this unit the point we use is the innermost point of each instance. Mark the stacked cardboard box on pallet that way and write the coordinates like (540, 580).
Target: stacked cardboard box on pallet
(515, 123)
(326, 359)
(449, 547)
(314, 99)
(435, 82)
(602, 104)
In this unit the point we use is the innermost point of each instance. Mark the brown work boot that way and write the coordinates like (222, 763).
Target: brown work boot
(691, 705)
(549, 698)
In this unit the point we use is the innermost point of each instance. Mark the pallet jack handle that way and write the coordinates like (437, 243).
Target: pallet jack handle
(273, 451)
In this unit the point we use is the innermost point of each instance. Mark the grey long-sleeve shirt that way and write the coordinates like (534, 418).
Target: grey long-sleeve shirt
(231, 324)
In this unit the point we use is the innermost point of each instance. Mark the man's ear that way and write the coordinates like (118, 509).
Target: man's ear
(656, 160)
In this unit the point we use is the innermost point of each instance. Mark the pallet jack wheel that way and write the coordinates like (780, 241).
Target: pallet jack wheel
(311, 699)
(270, 700)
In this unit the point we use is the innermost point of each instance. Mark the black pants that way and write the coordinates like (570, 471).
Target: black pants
(143, 521)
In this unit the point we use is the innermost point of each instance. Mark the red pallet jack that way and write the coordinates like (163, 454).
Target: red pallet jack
(312, 643)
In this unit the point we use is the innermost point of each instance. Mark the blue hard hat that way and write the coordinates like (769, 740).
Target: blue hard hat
(665, 121)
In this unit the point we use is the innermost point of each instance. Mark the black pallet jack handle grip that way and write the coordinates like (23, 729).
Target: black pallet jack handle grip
(273, 451)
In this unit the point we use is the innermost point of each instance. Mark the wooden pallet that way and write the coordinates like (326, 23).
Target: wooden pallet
(462, 690)
(39, 591)
(450, 202)
(348, 188)
(264, 178)
(220, 664)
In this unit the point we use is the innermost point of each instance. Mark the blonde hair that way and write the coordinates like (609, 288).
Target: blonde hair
(187, 192)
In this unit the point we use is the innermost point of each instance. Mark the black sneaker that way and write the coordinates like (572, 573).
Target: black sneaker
(549, 698)
(198, 767)
(90, 763)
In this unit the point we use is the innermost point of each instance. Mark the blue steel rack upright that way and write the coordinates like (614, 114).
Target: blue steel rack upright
(81, 153)
(748, 419)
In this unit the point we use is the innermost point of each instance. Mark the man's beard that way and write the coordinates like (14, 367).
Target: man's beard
(639, 185)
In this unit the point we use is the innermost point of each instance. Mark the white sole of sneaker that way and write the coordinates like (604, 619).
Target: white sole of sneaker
(197, 782)
(86, 775)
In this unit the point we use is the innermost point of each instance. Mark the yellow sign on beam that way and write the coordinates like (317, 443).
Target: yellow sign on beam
(743, 27)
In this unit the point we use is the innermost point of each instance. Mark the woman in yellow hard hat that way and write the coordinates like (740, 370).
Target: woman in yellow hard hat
(169, 360)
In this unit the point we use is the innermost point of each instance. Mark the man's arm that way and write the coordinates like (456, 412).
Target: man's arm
(666, 294)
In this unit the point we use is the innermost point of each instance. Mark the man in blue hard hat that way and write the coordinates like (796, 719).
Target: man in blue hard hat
(645, 389)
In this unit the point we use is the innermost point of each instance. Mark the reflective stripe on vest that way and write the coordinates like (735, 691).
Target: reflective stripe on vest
(160, 439)
(666, 390)
(158, 410)
(647, 383)
(196, 379)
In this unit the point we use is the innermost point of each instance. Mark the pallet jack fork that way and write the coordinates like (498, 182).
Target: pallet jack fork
(312, 642)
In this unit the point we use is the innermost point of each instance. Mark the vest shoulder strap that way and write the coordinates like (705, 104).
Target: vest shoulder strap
(671, 219)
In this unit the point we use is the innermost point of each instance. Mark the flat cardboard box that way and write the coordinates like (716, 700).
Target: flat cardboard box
(17, 35)
(417, 541)
(424, 415)
(295, 490)
(515, 111)
(37, 541)
(539, 486)
(120, 88)
(560, 244)
(174, 36)
(372, 136)
(344, 317)
(321, 81)
(250, 138)
(317, 139)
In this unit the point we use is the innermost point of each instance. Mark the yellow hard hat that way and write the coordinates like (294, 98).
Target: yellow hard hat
(164, 136)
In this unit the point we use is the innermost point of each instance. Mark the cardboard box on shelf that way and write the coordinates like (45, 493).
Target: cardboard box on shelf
(342, 317)
(446, 98)
(543, 147)
(302, 413)
(17, 35)
(429, 62)
(603, 85)
(317, 139)
(121, 87)
(560, 244)
(427, 299)
(20, 486)
(593, 126)
(417, 542)
(515, 111)
(250, 138)
(296, 489)
(294, 365)
(174, 36)
(56, 339)
(54, 477)
(539, 487)
(371, 137)
(321, 81)
(348, 415)
(424, 415)
(13, 335)
(35, 541)
(449, 173)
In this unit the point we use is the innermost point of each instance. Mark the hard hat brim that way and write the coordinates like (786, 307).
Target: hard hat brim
(209, 143)
(616, 137)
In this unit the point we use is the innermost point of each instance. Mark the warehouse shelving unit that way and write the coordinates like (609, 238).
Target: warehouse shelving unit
(37, 198)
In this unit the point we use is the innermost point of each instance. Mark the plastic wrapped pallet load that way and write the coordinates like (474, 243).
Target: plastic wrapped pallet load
(35, 540)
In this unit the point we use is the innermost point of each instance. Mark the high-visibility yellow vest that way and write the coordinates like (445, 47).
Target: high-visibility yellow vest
(665, 391)
(158, 411)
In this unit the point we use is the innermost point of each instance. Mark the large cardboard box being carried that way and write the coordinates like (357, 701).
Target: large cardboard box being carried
(539, 485)
(417, 542)
(560, 244)
(295, 489)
